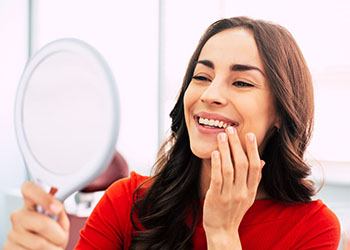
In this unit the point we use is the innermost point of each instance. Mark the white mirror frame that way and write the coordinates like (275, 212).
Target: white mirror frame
(91, 170)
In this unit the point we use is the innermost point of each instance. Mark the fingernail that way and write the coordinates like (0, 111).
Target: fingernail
(222, 137)
(55, 208)
(231, 130)
(53, 191)
(251, 137)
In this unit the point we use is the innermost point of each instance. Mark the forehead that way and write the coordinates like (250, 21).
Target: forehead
(232, 46)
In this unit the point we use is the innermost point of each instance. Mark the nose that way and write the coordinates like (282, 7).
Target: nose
(214, 94)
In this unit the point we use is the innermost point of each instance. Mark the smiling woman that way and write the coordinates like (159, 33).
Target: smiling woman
(250, 75)
(234, 176)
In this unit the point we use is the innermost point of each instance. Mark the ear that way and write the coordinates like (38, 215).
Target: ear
(277, 123)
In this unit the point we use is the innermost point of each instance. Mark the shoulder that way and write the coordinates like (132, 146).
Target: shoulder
(315, 212)
(272, 210)
(319, 226)
(322, 215)
(274, 224)
(319, 211)
(310, 213)
(124, 188)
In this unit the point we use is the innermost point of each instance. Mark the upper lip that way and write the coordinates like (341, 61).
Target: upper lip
(214, 116)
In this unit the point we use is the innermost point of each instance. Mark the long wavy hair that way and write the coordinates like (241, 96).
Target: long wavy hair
(165, 214)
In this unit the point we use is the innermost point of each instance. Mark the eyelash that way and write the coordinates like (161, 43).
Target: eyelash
(201, 78)
(239, 84)
(245, 84)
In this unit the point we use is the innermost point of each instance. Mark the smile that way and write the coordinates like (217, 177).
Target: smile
(212, 123)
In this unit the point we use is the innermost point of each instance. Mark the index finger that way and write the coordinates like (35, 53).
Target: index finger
(239, 157)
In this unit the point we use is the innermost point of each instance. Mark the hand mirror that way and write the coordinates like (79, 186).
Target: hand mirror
(66, 115)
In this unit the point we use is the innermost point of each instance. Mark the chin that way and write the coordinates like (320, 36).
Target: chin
(203, 152)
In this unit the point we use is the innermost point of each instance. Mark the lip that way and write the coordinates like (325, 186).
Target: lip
(208, 130)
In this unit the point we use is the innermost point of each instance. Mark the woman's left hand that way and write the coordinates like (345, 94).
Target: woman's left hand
(235, 178)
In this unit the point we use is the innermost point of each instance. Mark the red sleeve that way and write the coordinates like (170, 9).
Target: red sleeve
(109, 226)
(321, 230)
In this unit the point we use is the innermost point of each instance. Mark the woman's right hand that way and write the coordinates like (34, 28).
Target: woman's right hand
(33, 230)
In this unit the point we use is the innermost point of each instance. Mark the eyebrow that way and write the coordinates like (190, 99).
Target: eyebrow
(233, 67)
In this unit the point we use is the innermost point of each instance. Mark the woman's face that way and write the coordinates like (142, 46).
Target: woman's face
(228, 88)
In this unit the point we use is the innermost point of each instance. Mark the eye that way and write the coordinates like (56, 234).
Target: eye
(201, 78)
(241, 84)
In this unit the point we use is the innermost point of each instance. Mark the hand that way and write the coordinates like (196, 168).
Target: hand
(32, 230)
(235, 177)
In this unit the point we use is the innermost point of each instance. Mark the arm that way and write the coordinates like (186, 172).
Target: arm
(223, 240)
(235, 177)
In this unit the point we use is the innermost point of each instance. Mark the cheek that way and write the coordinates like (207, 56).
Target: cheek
(200, 146)
(186, 101)
(258, 117)
(190, 98)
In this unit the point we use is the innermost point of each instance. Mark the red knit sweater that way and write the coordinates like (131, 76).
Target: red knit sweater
(266, 225)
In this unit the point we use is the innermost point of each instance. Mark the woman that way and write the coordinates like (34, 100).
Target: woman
(246, 101)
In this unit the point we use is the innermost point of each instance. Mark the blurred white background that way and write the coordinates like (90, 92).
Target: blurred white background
(148, 44)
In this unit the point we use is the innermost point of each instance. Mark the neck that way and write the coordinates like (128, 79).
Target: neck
(205, 174)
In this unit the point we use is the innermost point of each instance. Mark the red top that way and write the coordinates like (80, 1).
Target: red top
(266, 225)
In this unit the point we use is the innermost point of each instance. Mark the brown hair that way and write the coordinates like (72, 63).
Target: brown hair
(174, 194)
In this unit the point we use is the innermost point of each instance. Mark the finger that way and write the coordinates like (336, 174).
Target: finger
(34, 195)
(239, 158)
(216, 178)
(28, 240)
(226, 164)
(44, 226)
(9, 245)
(254, 170)
(63, 221)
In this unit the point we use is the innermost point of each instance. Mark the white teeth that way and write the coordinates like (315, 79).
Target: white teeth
(212, 123)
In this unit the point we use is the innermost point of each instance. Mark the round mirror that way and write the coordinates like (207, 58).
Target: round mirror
(66, 115)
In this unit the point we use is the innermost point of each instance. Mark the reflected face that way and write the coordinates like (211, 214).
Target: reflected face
(228, 88)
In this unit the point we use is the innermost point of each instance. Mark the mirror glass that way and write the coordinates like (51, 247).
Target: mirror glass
(66, 115)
